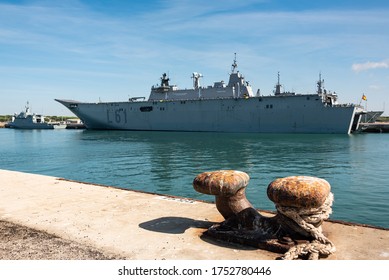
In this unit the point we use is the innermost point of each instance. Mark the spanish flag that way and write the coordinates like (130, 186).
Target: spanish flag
(364, 97)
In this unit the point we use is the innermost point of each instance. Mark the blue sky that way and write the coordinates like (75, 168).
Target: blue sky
(111, 50)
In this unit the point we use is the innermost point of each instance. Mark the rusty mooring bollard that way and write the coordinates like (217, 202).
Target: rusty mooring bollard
(299, 191)
(228, 187)
(302, 204)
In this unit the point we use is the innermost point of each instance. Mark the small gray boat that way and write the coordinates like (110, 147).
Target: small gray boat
(28, 120)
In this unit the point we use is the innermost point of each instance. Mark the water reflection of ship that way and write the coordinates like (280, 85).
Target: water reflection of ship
(172, 160)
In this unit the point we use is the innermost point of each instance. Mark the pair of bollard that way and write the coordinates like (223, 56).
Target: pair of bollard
(302, 204)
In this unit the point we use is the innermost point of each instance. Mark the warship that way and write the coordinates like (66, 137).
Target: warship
(27, 120)
(231, 107)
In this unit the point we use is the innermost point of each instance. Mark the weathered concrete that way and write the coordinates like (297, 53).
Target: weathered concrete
(145, 226)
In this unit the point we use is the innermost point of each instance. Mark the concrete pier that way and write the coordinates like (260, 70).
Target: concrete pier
(145, 226)
(376, 127)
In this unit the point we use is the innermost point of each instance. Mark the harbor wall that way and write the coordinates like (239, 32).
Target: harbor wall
(143, 226)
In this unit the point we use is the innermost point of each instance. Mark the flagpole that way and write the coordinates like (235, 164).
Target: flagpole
(365, 108)
(363, 98)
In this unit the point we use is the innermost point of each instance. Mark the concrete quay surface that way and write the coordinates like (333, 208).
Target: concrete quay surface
(143, 226)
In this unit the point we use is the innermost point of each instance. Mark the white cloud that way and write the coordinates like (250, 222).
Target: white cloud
(374, 87)
(358, 67)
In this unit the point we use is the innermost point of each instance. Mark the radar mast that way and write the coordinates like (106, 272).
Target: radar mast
(320, 84)
(234, 65)
(278, 86)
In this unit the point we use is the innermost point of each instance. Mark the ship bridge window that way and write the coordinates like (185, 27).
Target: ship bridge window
(146, 108)
(269, 106)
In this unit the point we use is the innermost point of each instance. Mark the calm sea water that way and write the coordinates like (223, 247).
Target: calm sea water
(356, 166)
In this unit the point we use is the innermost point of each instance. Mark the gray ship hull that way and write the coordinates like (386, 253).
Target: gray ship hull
(26, 125)
(262, 114)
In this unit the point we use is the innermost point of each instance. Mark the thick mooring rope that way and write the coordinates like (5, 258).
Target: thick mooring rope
(306, 218)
